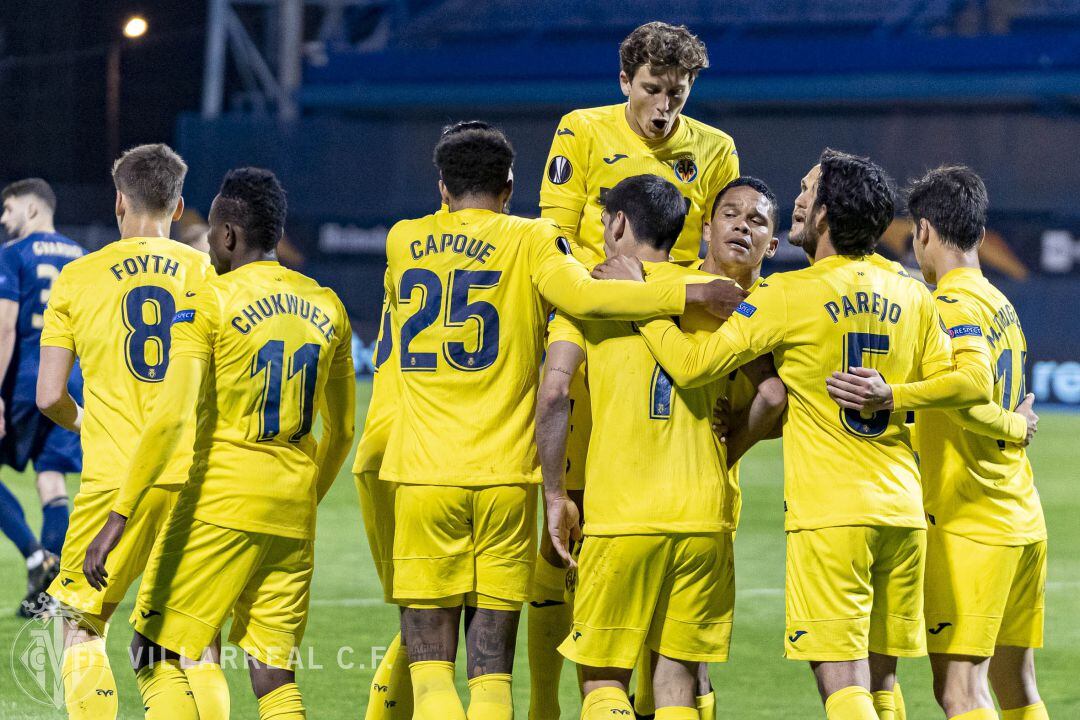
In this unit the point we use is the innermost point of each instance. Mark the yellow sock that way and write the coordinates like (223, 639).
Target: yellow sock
(165, 692)
(602, 703)
(283, 703)
(1031, 712)
(89, 685)
(706, 706)
(644, 702)
(391, 696)
(211, 692)
(676, 713)
(898, 700)
(490, 697)
(977, 714)
(434, 695)
(550, 618)
(885, 704)
(850, 703)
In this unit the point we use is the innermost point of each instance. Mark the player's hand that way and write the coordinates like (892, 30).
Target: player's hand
(1027, 409)
(861, 389)
(100, 547)
(564, 524)
(719, 297)
(721, 424)
(620, 267)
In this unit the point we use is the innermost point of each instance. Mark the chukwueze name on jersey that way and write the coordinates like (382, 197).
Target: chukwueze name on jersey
(277, 304)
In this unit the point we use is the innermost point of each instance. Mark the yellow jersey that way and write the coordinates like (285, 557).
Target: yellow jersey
(977, 480)
(113, 308)
(383, 406)
(594, 149)
(840, 468)
(467, 296)
(272, 337)
(654, 464)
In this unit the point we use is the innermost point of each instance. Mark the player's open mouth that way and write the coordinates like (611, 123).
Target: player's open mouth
(659, 124)
(740, 242)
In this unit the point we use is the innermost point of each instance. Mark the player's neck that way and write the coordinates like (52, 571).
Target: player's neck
(824, 248)
(246, 256)
(134, 226)
(476, 202)
(744, 276)
(45, 227)
(949, 261)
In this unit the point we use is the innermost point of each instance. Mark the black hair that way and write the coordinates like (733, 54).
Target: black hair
(757, 184)
(253, 199)
(858, 198)
(655, 209)
(31, 186)
(953, 200)
(473, 157)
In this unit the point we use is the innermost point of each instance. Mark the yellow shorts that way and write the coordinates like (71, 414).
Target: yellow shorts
(471, 545)
(853, 590)
(577, 439)
(981, 596)
(198, 573)
(125, 563)
(674, 594)
(377, 508)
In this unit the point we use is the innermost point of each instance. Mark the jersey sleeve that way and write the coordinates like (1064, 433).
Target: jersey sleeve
(58, 330)
(9, 274)
(564, 328)
(341, 365)
(955, 374)
(756, 327)
(566, 283)
(563, 189)
(195, 328)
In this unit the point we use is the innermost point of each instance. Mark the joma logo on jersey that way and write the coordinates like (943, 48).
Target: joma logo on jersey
(940, 626)
(615, 158)
(685, 169)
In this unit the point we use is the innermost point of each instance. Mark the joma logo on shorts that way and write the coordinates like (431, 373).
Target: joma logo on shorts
(940, 626)
(795, 638)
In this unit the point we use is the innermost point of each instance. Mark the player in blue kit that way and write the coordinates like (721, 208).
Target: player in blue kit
(28, 264)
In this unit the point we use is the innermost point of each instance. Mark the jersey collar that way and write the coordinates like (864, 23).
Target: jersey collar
(957, 274)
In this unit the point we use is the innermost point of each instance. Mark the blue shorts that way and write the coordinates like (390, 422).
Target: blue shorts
(33, 437)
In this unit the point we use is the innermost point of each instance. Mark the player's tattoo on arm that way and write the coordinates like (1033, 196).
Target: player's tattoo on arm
(431, 635)
(490, 637)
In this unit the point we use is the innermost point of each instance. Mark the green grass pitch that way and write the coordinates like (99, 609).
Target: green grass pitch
(348, 620)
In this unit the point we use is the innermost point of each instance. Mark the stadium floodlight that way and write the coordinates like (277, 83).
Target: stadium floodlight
(135, 27)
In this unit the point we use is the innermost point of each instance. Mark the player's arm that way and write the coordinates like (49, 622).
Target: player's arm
(564, 358)
(763, 417)
(956, 375)
(175, 407)
(756, 328)
(339, 413)
(563, 189)
(53, 399)
(9, 315)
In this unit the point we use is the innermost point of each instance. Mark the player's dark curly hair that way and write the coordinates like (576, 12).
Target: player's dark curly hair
(858, 197)
(253, 199)
(757, 184)
(31, 186)
(473, 157)
(655, 209)
(953, 200)
(662, 46)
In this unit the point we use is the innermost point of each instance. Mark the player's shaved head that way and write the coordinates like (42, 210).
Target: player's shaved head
(858, 199)
(661, 46)
(655, 209)
(474, 158)
(31, 186)
(151, 177)
(953, 200)
(253, 200)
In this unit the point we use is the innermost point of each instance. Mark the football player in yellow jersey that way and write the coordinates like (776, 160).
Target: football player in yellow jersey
(111, 309)
(257, 354)
(468, 292)
(854, 519)
(592, 150)
(672, 514)
(986, 522)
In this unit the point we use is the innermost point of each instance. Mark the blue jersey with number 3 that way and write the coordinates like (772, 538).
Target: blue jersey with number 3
(27, 269)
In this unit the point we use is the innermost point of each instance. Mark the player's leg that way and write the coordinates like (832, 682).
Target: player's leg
(504, 547)
(828, 600)
(550, 617)
(605, 690)
(390, 697)
(883, 684)
(277, 692)
(41, 565)
(434, 567)
(706, 696)
(1012, 668)
(87, 676)
(960, 686)
(163, 685)
(52, 491)
(208, 684)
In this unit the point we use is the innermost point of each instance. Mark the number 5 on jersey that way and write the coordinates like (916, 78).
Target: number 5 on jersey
(458, 312)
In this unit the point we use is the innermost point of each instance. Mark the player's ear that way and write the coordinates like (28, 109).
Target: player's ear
(774, 242)
(624, 83)
(179, 211)
(706, 232)
(444, 195)
(120, 205)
